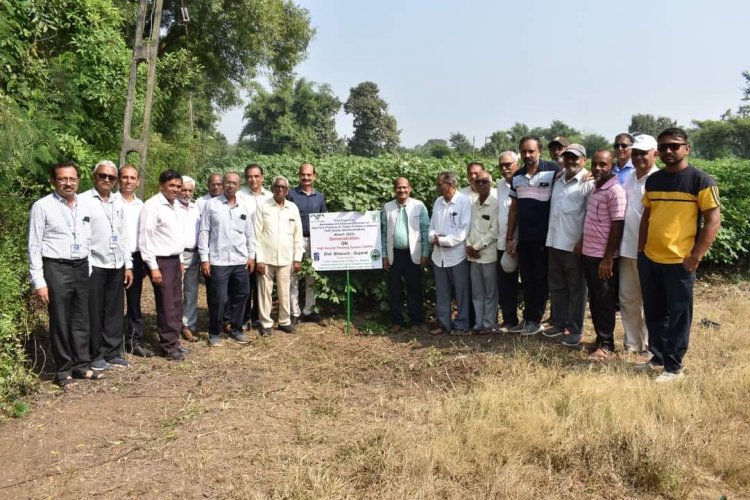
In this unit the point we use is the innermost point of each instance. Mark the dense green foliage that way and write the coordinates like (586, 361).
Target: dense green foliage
(375, 131)
(355, 183)
(296, 117)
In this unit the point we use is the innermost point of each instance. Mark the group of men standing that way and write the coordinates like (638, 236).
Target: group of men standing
(89, 252)
(624, 234)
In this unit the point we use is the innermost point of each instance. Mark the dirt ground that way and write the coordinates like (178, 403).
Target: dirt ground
(228, 420)
(231, 422)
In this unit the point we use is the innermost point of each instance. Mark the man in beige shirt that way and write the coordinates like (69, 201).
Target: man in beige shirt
(278, 230)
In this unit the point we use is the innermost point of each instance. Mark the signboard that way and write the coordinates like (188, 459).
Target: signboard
(341, 241)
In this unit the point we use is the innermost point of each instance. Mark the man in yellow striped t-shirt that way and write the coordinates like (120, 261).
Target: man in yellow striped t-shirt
(680, 220)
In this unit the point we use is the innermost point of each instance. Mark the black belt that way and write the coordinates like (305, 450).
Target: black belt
(401, 250)
(167, 256)
(190, 249)
(65, 262)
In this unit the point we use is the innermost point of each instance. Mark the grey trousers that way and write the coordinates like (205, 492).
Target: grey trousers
(484, 294)
(452, 281)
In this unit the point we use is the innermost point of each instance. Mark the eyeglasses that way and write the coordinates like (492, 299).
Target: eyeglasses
(622, 145)
(481, 182)
(106, 177)
(67, 180)
(671, 146)
(282, 188)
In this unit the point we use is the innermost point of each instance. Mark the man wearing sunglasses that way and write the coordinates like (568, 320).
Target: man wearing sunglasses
(681, 217)
(111, 265)
(623, 148)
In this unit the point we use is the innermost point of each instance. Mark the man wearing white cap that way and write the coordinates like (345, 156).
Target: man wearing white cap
(567, 285)
(643, 155)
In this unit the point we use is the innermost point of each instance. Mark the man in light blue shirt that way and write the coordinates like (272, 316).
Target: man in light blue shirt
(226, 245)
(623, 146)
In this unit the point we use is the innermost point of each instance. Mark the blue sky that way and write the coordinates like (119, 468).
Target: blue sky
(477, 66)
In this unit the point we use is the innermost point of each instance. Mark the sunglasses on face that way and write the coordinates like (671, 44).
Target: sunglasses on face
(671, 146)
(622, 145)
(106, 177)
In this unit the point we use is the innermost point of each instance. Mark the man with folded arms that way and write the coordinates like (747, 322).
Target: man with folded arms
(482, 254)
(162, 243)
(681, 217)
(602, 234)
(111, 266)
(278, 253)
(406, 248)
(59, 242)
(567, 286)
(449, 228)
(227, 251)
(643, 155)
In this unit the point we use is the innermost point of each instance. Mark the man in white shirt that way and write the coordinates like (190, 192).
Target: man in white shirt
(214, 190)
(449, 227)
(567, 286)
(128, 182)
(227, 252)
(161, 241)
(111, 265)
(253, 192)
(643, 156)
(278, 252)
(473, 169)
(190, 259)
(507, 282)
(59, 242)
(481, 249)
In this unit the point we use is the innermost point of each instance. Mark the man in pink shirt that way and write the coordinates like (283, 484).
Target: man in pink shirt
(602, 234)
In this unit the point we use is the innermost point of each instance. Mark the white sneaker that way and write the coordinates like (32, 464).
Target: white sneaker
(668, 377)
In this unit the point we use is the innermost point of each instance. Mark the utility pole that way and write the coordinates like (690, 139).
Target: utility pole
(144, 51)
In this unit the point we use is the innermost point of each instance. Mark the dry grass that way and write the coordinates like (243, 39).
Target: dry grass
(322, 415)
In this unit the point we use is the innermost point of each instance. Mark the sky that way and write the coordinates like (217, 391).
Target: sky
(478, 66)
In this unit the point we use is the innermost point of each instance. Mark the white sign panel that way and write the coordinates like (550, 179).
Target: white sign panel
(345, 240)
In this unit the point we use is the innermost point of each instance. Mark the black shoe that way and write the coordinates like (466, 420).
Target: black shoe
(295, 320)
(175, 356)
(265, 332)
(140, 350)
(287, 328)
(312, 318)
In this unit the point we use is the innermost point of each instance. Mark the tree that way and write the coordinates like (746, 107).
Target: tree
(460, 144)
(648, 124)
(556, 128)
(505, 140)
(593, 143)
(295, 117)
(375, 131)
(435, 148)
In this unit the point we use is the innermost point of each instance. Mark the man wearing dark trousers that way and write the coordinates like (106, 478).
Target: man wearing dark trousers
(111, 267)
(226, 244)
(59, 242)
(602, 235)
(132, 205)
(507, 282)
(681, 217)
(161, 241)
(406, 249)
(529, 213)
